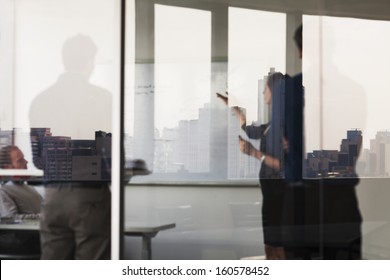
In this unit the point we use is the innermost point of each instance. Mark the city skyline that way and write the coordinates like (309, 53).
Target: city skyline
(186, 149)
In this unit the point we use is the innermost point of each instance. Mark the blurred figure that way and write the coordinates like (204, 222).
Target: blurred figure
(271, 179)
(76, 215)
(270, 175)
(19, 201)
(73, 106)
(291, 102)
(322, 217)
(292, 120)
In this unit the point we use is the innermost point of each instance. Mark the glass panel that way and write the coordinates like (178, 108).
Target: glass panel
(182, 71)
(183, 131)
(353, 151)
(62, 59)
(170, 130)
(345, 130)
(253, 55)
(184, 112)
(340, 85)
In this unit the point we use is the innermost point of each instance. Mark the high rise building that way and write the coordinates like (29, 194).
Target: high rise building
(379, 160)
(239, 164)
(64, 159)
(236, 161)
(163, 151)
(204, 139)
(36, 136)
(6, 137)
(56, 158)
(332, 163)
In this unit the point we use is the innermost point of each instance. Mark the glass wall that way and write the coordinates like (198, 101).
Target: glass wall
(345, 64)
(190, 125)
(352, 78)
(198, 77)
(197, 91)
(253, 55)
(36, 54)
(59, 76)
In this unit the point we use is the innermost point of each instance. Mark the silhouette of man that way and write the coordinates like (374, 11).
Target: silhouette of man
(290, 102)
(73, 106)
(335, 199)
(322, 217)
(75, 221)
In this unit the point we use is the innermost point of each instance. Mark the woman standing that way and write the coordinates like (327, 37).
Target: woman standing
(271, 181)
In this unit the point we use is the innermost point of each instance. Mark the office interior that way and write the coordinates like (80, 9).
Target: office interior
(163, 61)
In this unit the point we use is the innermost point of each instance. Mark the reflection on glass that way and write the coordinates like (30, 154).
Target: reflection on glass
(176, 123)
(343, 102)
(269, 153)
(347, 140)
(63, 75)
(352, 95)
(73, 107)
(70, 119)
(334, 139)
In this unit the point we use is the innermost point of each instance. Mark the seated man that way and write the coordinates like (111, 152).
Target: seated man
(19, 201)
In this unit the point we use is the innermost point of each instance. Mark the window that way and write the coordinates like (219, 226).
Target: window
(350, 95)
(175, 97)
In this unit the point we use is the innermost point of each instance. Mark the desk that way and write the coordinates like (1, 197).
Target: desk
(20, 232)
(25, 226)
(147, 232)
(144, 230)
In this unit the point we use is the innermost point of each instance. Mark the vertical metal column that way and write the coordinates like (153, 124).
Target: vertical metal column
(117, 173)
(293, 63)
(122, 130)
(144, 81)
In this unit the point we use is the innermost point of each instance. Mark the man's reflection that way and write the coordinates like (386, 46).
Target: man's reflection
(74, 107)
(75, 221)
(322, 216)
